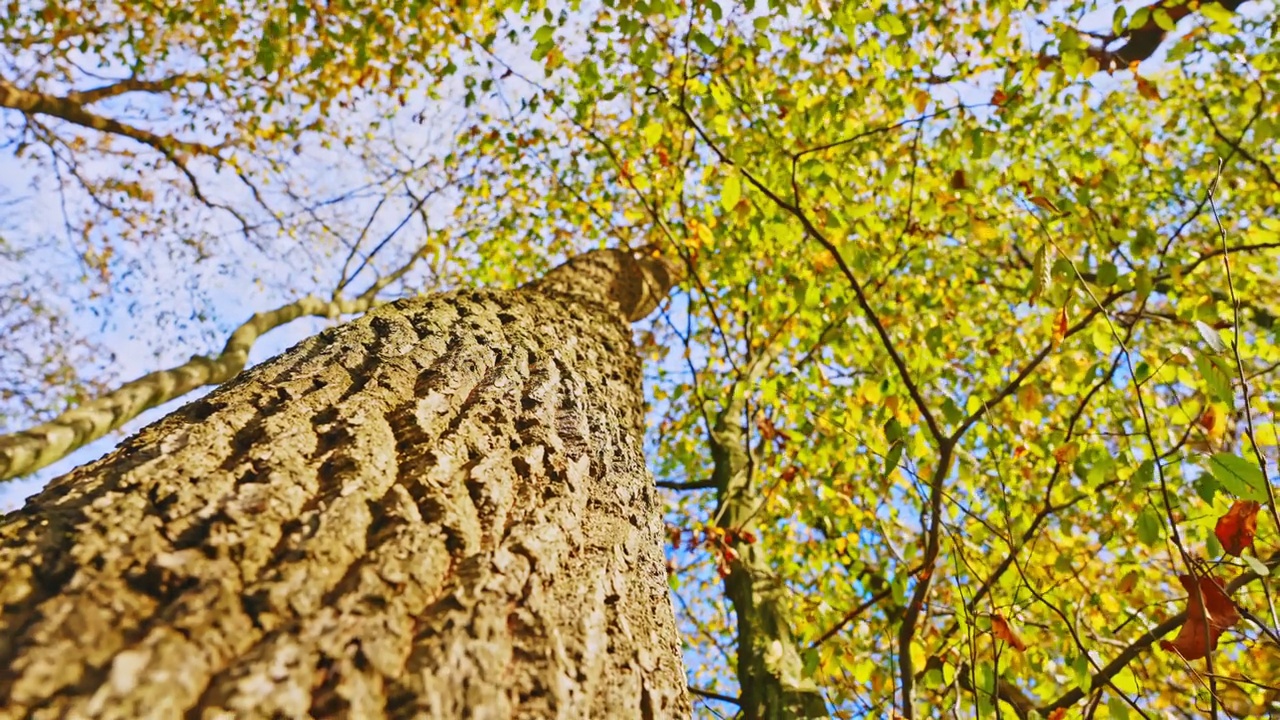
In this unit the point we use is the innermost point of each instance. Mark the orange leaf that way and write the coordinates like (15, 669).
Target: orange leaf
(1060, 327)
(1128, 582)
(1000, 628)
(1235, 529)
(1058, 714)
(1147, 89)
(1209, 613)
(999, 97)
(1045, 203)
(1066, 454)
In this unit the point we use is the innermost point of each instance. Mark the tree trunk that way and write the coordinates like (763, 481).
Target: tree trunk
(438, 510)
(771, 674)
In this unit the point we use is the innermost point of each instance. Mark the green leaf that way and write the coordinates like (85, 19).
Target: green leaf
(893, 458)
(543, 34)
(951, 411)
(704, 43)
(1140, 18)
(1118, 20)
(1142, 372)
(1256, 565)
(1144, 476)
(1163, 19)
(652, 134)
(893, 430)
(1222, 18)
(1207, 487)
(769, 391)
(1041, 272)
(1238, 476)
(1125, 682)
(1212, 544)
(1217, 384)
(891, 24)
(731, 192)
(1211, 337)
(1142, 281)
(1150, 526)
(1118, 708)
(1080, 668)
(810, 658)
(813, 295)
(1108, 273)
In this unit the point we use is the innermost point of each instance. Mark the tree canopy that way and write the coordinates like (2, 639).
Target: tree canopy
(982, 295)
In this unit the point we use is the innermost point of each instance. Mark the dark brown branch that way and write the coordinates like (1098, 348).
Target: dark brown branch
(1142, 42)
(859, 291)
(691, 485)
(1022, 705)
(1235, 146)
(713, 695)
(851, 615)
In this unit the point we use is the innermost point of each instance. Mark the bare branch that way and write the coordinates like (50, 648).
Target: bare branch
(130, 85)
(30, 102)
(29, 450)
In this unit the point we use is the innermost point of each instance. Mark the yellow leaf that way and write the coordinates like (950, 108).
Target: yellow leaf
(921, 101)
(1266, 435)
(1029, 397)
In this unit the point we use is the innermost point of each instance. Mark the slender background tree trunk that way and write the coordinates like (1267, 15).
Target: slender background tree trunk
(438, 510)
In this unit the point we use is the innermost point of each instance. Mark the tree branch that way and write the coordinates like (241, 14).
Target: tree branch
(29, 450)
(1144, 641)
(713, 695)
(1140, 42)
(1235, 146)
(65, 108)
(690, 485)
(129, 85)
(859, 291)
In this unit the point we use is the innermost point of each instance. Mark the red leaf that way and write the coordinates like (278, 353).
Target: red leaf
(1235, 529)
(1209, 613)
(1000, 628)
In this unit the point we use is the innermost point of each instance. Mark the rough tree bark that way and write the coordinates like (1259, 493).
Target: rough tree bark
(438, 510)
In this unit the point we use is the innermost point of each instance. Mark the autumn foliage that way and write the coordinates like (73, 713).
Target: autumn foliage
(1210, 612)
(1236, 529)
(979, 322)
